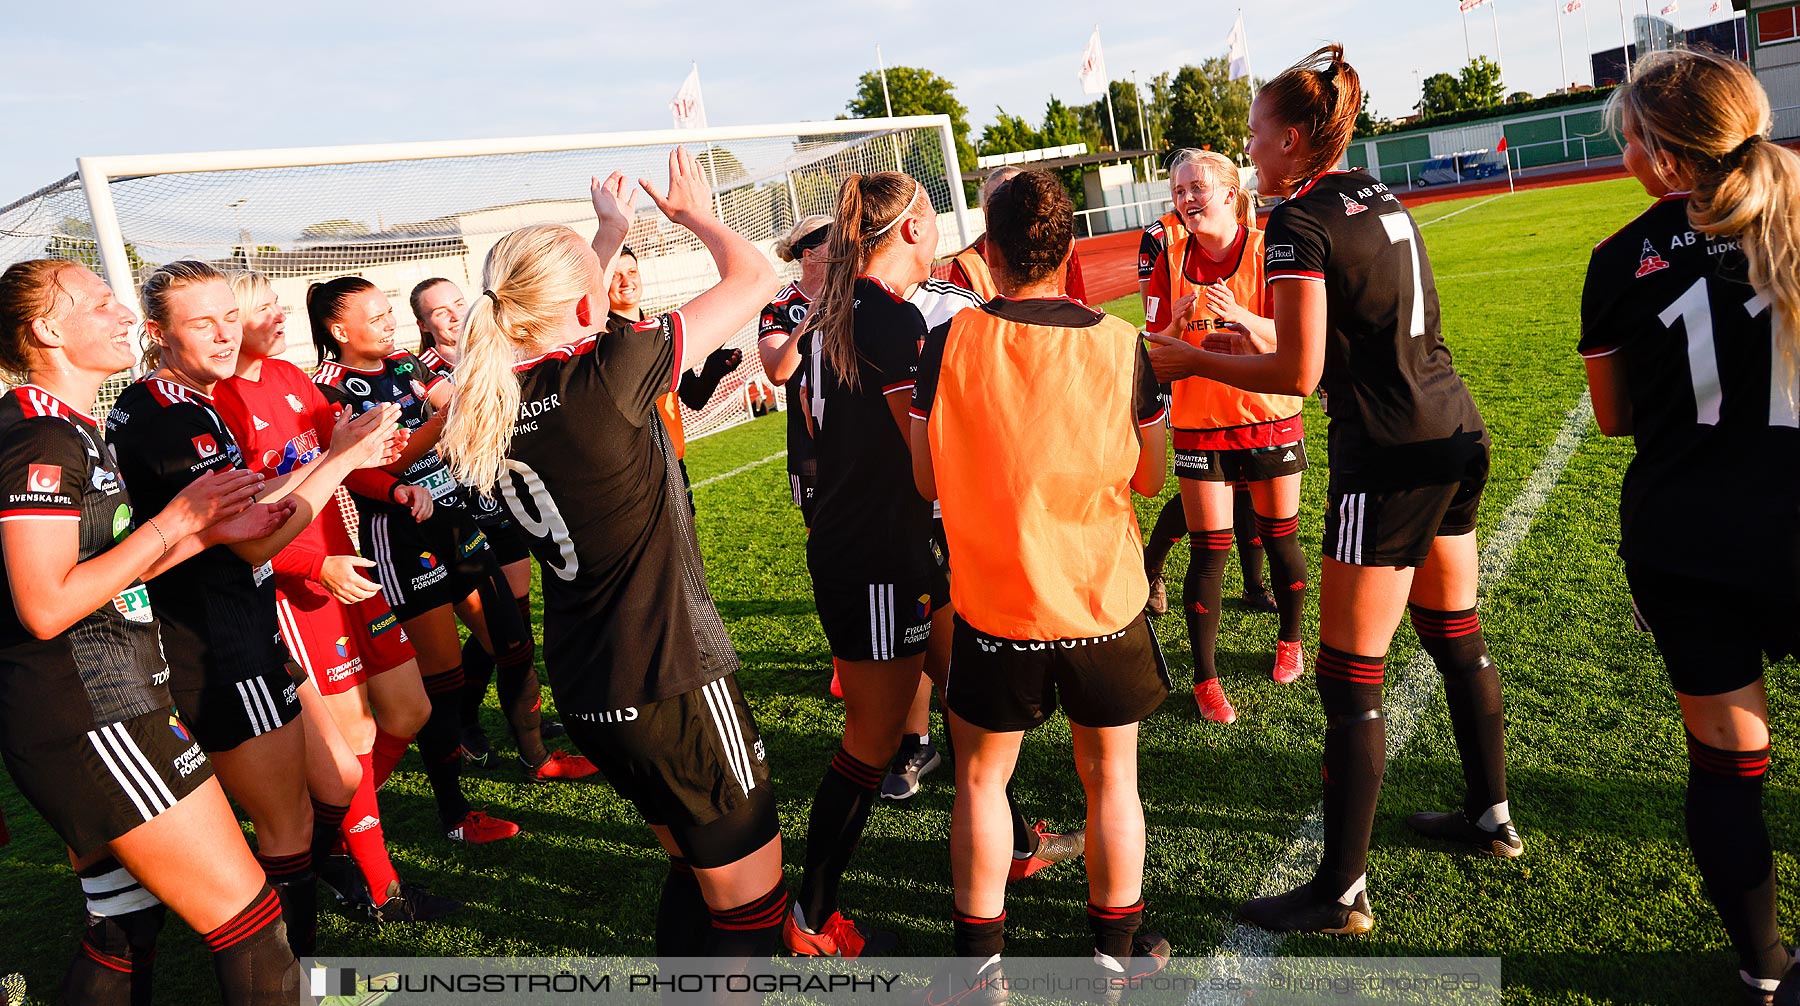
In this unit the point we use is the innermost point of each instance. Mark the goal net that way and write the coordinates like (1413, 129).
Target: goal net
(397, 214)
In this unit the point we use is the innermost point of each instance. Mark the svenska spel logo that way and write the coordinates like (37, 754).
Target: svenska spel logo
(44, 478)
(205, 445)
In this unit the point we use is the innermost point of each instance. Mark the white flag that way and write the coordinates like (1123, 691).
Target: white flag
(688, 107)
(1093, 66)
(1238, 44)
(1572, 6)
(1469, 5)
(1671, 7)
(1717, 6)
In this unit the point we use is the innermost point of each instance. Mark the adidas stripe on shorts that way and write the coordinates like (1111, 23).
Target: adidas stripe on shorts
(1397, 528)
(879, 621)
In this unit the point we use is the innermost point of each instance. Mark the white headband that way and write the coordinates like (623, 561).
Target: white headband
(917, 188)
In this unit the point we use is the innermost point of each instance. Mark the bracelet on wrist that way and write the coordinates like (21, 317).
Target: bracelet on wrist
(152, 525)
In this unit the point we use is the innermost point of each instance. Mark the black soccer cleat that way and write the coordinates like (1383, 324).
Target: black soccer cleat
(1303, 910)
(408, 902)
(968, 981)
(1260, 598)
(1111, 981)
(475, 749)
(341, 877)
(1455, 826)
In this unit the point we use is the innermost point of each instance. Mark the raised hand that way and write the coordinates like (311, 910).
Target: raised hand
(213, 497)
(415, 498)
(613, 198)
(689, 197)
(1181, 312)
(367, 437)
(1221, 303)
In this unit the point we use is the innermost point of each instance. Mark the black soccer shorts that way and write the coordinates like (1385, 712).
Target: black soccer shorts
(1243, 464)
(879, 621)
(422, 566)
(1397, 528)
(224, 714)
(1007, 685)
(693, 763)
(1712, 636)
(97, 786)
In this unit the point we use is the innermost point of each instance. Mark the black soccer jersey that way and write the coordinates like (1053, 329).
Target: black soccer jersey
(406, 381)
(782, 316)
(1714, 491)
(592, 481)
(107, 667)
(1150, 248)
(1401, 417)
(217, 611)
(869, 523)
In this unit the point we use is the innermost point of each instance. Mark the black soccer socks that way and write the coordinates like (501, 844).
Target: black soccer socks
(840, 810)
(1731, 847)
(1201, 591)
(1472, 686)
(1355, 760)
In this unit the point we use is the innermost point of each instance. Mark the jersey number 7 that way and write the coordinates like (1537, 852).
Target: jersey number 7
(1399, 228)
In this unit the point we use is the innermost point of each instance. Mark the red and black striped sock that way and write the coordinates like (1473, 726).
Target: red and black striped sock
(1201, 591)
(1171, 527)
(749, 930)
(292, 877)
(115, 962)
(1287, 567)
(840, 810)
(1113, 928)
(1730, 839)
(1355, 760)
(521, 699)
(1251, 539)
(1472, 686)
(328, 823)
(976, 937)
(251, 957)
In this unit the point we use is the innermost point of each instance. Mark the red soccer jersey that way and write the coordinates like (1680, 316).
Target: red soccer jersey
(282, 422)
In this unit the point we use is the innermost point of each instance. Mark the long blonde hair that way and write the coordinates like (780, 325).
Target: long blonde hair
(531, 278)
(1708, 113)
(1219, 169)
(869, 209)
(784, 245)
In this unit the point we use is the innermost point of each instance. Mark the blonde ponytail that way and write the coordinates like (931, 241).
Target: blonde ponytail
(1709, 113)
(532, 277)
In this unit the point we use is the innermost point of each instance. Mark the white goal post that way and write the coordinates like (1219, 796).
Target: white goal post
(399, 213)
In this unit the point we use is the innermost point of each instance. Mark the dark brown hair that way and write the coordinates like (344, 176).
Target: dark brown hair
(28, 291)
(324, 303)
(869, 209)
(1320, 96)
(1031, 222)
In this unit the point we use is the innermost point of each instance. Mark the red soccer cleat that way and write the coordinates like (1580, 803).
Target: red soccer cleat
(1212, 701)
(1290, 661)
(477, 828)
(559, 766)
(838, 937)
(1052, 848)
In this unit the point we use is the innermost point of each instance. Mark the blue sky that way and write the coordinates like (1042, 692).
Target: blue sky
(118, 78)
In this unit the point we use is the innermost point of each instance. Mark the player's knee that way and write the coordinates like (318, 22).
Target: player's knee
(1350, 686)
(1453, 639)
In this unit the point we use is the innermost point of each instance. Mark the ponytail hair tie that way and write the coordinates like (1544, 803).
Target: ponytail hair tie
(492, 296)
(1741, 150)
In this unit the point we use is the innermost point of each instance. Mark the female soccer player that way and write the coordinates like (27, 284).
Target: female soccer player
(1356, 315)
(336, 624)
(87, 727)
(878, 577)
(434, 570)
(1035, 482)
(559, 417)
(439, 309)
(1210, 278)
(779, 347)
(1171, 523)
(1687, 329)
(217, 609)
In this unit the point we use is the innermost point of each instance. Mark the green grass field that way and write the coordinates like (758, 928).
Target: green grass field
(1605, 906)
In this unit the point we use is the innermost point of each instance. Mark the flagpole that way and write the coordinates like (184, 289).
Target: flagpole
(712, 181)
(1137, 93)
(1562, 55)
(1494, 12)
(1625, 41)
(1468, 52)
(888, 103)
(1251, 77)
(1114, 122)
(1587, 31)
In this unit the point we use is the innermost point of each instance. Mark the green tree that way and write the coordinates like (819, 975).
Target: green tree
(915, 91)
(1007, 134)
(74, 241)
(1125, 111)
(1518, 96)
(1208, 109)
(1480, 84)
(1439, 93)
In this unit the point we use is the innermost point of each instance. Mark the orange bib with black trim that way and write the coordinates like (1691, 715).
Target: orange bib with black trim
(1034, 442)
(1200, 403)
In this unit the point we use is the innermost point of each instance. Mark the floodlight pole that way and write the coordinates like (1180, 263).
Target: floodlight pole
(114, 259)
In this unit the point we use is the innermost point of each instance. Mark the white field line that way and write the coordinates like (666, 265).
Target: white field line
(1509, 272)
(1456, 213)
(1411, 693)
(777, 456)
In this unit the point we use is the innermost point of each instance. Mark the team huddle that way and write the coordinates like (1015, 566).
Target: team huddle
(245, 581)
